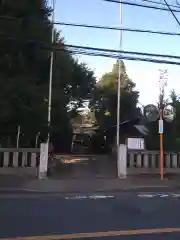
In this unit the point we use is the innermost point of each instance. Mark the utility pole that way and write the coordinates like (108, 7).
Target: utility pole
(46, 147)
(51, 72)
(162, 84)
(119, 88)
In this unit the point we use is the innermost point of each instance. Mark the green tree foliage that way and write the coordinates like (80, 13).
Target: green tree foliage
(171, 130)
(105, 98)
(84, 118)
(25, 45)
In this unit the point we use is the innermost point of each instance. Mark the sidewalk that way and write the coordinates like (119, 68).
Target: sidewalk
(92, 185)
(10, 183)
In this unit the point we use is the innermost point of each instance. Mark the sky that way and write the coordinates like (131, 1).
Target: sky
(99, 12)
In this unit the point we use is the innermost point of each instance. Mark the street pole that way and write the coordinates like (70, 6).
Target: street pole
(17, 138)
(37, 137)
(119, 88)
(162, 83)
(161, 144)
(44, 148)
(51, 73)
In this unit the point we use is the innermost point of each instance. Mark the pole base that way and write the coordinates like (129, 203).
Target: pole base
(42, 175)
(122, 161)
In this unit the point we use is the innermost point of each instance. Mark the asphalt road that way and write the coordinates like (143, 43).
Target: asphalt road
(34, 215)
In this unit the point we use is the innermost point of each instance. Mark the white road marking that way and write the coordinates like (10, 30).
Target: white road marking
(163, 195)
(76, 197)
(100, 197)
(146, 195)
(160, 195)
(88, 197)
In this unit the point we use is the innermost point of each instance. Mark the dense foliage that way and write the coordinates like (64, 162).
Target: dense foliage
(104, 102)
(171, 130)
(105, 98)
(25, 45)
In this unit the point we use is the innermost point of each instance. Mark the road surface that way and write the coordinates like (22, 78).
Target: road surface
(126, 215)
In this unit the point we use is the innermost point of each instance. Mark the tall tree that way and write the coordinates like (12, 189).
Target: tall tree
(25, 45)
(23, 66)
(105, 97)
(104, 103)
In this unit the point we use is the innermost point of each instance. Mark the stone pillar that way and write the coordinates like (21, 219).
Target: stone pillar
(43, 165)
(122, 161)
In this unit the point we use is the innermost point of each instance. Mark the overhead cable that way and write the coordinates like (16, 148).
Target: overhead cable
(120, 52)
(58, 46)
(116, 28)
(130, 58)
(4, 17)
(172, 12)
(140, 5)
(109, 53)
(161, 3)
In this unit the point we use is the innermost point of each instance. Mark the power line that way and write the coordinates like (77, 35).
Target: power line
(110, 53)
(102, 27)
(172, 12)
(120, 52)
(160, 3)
(140, 5)
(57, 47)
(116, 28)
(131, 58)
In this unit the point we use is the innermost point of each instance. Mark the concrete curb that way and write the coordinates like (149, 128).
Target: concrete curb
(123, 189)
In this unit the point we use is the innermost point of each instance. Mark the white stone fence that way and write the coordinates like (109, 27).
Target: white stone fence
(21, 157)
(27, 160)
(149, 161)
(19, 162)
(137, 161)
